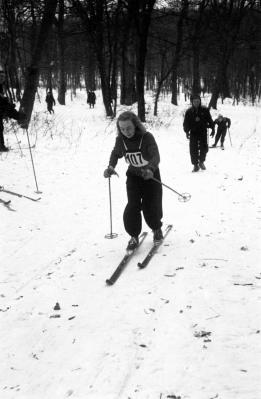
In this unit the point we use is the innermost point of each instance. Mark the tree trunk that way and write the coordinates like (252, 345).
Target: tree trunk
(89, 70)
(61, 63)
(215, 94)
(32, 76)
(142, 22)
(176, 61)
(140, 66)
(128, 89)
(195, 68)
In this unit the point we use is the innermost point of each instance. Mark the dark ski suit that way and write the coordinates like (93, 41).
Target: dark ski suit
(91, 99)
(50, 102)
(222, 126)
(196, 122)
(140, 151)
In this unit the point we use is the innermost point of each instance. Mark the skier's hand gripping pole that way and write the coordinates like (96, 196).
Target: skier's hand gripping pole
(109, 172)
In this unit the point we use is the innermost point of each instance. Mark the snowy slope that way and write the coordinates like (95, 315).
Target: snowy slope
(188, 326)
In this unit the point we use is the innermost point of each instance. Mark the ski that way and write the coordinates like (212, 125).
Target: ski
(22, 148)
(18, 194)
(154, 249)
(118, 271)
(6, 204)
(217, 146)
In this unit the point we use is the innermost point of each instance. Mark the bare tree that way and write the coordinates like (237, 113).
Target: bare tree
(61, 60)
(32, 76)
(92, 14)
(141, 10)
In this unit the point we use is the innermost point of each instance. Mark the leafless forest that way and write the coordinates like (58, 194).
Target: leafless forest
(127, 47)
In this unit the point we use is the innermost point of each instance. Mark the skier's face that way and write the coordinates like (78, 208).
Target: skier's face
(196, 102)
(127, 128)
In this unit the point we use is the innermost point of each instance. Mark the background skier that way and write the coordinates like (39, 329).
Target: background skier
(196, 122)
(50, 101)
(223, 124)
(91, 99)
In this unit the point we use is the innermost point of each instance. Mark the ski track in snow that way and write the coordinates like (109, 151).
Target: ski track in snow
(188, 325)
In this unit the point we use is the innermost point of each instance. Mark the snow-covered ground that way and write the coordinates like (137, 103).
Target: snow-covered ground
(188, 326)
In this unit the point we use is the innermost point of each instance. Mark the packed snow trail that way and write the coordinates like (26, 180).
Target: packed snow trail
(145, 337)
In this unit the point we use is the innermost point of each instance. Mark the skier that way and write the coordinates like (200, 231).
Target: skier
(196, 122)
(91, 99)
(144, 194)
(7, 109)
(50, 102)
(223, 124)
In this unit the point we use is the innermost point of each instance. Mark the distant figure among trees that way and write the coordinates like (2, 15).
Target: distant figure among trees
(186, 92)
(222, 125)
(50, 102)
(91, 99)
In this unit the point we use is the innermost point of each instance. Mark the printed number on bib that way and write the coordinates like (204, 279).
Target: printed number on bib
(135, 159)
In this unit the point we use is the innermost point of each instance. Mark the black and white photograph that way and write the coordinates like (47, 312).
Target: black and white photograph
(130, 199)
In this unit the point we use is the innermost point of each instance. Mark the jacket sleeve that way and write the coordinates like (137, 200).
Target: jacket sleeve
(210, 123)
(186, 122)
(116, 153)
(152, 151)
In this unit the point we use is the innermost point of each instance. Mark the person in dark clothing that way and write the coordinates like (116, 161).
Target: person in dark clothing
(7, 109)
(50, 102)
(222, 125)
(91, 99)
(144, 194)
(196, 122)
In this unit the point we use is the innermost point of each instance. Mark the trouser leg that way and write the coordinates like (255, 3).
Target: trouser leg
(132, 213)
(152, 202)
(193, 149)
(223, 135)
(217, 137)
(203, 147)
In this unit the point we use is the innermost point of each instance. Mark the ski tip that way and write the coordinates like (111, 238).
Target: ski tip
(109, 282)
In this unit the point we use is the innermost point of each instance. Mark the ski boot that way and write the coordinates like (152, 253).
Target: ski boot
(133, 243)
(157, 236)
(196, 168)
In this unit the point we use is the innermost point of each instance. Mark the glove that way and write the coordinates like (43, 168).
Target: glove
(109, 172)
(147, 174)
(212, 133)
(188, 135)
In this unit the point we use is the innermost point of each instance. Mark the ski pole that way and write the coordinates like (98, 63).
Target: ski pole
(18, 142)
(111, 234)
(37, 190)
(184, 197)
(229, 137)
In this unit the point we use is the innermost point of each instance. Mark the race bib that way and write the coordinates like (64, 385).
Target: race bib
(135, 159)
